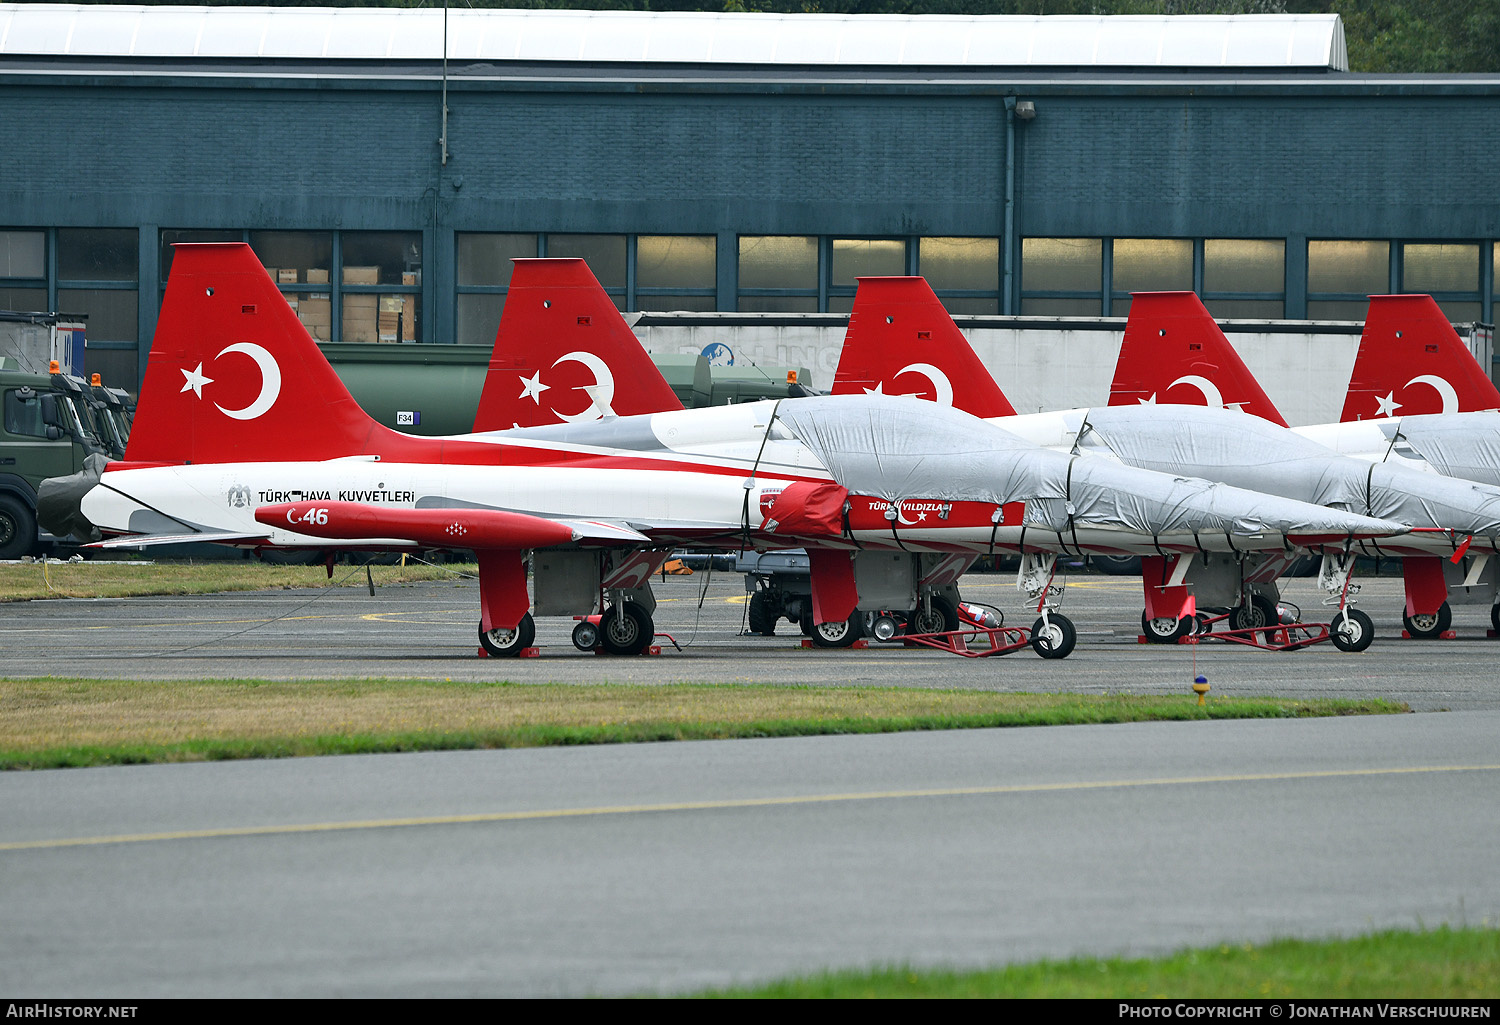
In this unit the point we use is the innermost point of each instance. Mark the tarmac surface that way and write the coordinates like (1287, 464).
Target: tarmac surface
(430, 630)
(661, 868)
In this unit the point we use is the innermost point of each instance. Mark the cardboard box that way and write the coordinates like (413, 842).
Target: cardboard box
(411, 277)
(317, 275)
(390, 304)
(286, 276)
(361, 275)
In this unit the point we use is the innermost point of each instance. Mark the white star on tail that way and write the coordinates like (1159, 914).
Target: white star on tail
(196, 380)
(1387, 406)
(533, 387)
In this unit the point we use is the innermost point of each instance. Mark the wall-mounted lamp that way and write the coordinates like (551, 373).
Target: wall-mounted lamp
(1025, 110)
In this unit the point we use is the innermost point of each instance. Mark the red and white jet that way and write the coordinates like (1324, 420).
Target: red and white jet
(895, 318)
(245, 436)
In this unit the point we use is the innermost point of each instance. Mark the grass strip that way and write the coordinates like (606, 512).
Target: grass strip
(54, 723)
(1443, 963)
(26, 581)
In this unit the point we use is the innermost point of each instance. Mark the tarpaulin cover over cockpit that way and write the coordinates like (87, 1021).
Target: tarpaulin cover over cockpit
(1249, 452)
(1463, 445)
(897, 448)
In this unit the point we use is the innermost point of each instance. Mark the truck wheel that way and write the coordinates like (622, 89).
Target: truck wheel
(763, 614)
(17, 528)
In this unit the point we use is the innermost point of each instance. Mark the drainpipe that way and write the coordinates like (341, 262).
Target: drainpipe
(1008, 241)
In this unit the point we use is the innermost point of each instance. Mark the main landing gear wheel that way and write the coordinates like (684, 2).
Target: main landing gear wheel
(1165, 629)
(1428, 625)
(626, 629)
(1053, 637)
(941, 616)
(763, 614)
(508, 643)
(1353, 634)
(839, 634)
(1495, 617)
(1260, 612)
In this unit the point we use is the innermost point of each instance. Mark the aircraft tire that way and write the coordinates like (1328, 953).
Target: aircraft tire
(1165, 629)
(626, 629)
(1261, 611)
(840, 634)
(1428, 626)
(508, 643)
(762, 614)
(1057, 642)
(942, 617)
(1495, 617)
(1353, 635)
(17, 528)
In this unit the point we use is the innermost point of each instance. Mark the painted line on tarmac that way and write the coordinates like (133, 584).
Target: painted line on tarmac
(753, 802)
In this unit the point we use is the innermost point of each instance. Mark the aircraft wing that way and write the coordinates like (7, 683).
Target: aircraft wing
(152, 540)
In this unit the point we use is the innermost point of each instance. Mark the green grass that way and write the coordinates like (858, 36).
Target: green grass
(123, 578)
(1443, 963)
(54, 723)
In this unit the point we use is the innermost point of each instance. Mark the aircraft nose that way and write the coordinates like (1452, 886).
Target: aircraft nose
(59, 501)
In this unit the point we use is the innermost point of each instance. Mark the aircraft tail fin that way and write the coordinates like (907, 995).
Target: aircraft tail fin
(1408, 342)
(1174, 352)
(563, 354)
(233, 374)
(901, 338)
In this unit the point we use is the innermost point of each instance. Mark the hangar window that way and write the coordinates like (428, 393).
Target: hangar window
(23, 254)
(1449, 272)
(484, 269)
(964, 272)
(1245, 278)
(1061, 277)
(605, 255)
(98, 275)
(1148, 265)
(855, 258)
(23, 270)
(1341, 276)
(778, 274)
(675, 272)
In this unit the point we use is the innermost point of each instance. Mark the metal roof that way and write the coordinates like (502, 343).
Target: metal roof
(1312, 42)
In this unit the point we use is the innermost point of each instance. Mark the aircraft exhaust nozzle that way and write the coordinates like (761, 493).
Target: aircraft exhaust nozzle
(437, 528)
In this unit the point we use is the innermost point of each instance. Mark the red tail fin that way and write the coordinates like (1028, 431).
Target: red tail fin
(1408, 343)
(234, 376)
(1174, 352)
(901, 341)
(564, 353)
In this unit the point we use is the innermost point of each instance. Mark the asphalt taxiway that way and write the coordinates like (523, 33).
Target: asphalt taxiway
(429, 630)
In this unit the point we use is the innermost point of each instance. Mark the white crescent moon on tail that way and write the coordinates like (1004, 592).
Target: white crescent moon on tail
(1445, 390)
(601, 392)
(270, 381)
(942, 388)
(1209, 391)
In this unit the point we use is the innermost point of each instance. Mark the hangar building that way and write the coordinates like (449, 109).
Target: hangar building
(386, 164)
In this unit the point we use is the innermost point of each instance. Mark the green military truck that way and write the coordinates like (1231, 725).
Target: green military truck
(49, 425)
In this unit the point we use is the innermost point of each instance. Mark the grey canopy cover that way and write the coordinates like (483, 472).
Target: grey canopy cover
(900, 448)
(1249, 452)
(1463, 445)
